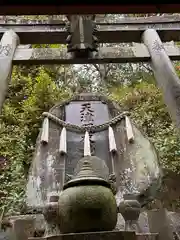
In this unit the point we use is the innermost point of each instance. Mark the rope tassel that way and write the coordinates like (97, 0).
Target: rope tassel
(112, 148)
(87, 146)
(129, 130)
(45, 131)
(63, 142)
(112, 142)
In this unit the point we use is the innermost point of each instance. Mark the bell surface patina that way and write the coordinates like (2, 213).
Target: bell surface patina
(87, 203)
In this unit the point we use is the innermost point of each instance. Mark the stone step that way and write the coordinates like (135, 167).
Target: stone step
(90, 236)
(107, 235)
(147, 236)
(102, 235)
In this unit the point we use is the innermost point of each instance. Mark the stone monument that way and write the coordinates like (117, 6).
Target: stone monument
(91, 162)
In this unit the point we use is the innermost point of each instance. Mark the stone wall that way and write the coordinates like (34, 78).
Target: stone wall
(169, 195)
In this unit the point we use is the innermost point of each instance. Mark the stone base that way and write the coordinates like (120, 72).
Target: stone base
(109, 235)
(147, 236)
(112, 235)
(93, 236)
(36, 221)
(165, 223)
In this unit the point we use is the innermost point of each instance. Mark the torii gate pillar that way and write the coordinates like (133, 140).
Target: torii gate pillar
(8, 45)
(164, 72)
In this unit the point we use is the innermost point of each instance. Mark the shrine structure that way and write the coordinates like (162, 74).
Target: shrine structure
(93, 167)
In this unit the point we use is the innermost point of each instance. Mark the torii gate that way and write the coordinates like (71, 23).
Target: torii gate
(82, 35)
(151, 31)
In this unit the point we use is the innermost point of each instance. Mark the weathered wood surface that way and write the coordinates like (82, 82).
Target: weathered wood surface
(136, 53)
(164, 72)
(126, 30)
(8, 45)
(56, 8)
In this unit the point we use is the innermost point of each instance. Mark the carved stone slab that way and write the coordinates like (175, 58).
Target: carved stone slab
(89, 113)
(136, 164)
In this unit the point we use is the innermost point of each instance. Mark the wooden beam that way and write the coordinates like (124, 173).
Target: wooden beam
(99, 19)
(126, 30)
(136, 53)
(58, 7)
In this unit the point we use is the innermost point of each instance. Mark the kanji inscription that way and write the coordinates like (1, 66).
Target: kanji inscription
(5, 50)
(157, 46)
(87, 119)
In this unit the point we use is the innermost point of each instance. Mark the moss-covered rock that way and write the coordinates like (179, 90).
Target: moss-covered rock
(86, 209)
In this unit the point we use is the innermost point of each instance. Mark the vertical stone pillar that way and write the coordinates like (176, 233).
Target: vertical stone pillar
(164, 72)
(51, 217)
(23, 228)
(130, 209)
(158, 223)
(8, 46)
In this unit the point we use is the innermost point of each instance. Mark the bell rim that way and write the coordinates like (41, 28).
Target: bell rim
(87, 181)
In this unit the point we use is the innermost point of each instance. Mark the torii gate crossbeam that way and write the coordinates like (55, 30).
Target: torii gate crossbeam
(60, 7)
(82, 47)
(128, 29)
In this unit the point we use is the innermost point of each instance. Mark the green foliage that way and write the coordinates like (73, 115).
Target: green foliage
(30, 93)
(34, 90)
(144, 101)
